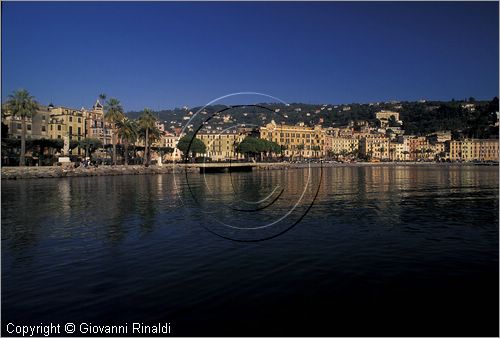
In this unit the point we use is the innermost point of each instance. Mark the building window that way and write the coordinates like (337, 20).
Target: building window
(79, 120)
(43, 128)
(59, 127)
(70, 119)
(19, 126)
(43, 117)
(29, 126)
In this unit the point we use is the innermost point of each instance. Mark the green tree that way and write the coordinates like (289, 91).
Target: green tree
(147, 124)
(90, 145)
(392, 121)
(255, 147)
(250, 146)
(128, 132)
(153, 135)
(274, 147)
(188, 145)
(113, 113)
(73, 144)
(21, 104)
(42, 144)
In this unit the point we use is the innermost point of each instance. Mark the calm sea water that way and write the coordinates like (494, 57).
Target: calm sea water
(381, 250)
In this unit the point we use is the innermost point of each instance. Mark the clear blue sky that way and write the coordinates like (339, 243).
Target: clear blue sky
(163, 55)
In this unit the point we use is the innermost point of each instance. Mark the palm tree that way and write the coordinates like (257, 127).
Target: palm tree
(102, 98)
(147, 124)
(23, 105)
(128, 133)
(113, 114)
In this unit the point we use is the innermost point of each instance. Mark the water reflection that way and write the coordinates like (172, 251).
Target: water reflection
(381, 238)
(109, 208)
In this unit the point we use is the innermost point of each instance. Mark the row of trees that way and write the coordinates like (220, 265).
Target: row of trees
(23, 105)
(250, 147)
(256, 147)
(130, 131)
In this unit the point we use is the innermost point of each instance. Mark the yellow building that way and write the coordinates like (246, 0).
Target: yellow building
(221, 145)
(398, 151)
(68, 124)
(170, 140)
(341, 145)
(419, 147)
(439, 149)
(346, 132)
(474, 150)
(375, 146)
(299, 139)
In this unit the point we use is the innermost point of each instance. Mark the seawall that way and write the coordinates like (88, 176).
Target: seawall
(14, 173)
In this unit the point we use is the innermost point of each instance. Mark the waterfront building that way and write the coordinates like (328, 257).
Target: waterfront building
(68, 124)
(474, 150)
(36, 126)
(298, 140)
(341, 145)
(441, 150)
(398, 151)
(221, 145)
(374, 147)
(419, 148)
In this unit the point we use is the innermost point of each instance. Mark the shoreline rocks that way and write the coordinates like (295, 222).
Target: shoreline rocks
(14, 173)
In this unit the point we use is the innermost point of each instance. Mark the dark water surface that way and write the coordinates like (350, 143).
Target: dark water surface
(385, 250)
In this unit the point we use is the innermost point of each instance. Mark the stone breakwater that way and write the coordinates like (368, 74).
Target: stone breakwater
(67, 171)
